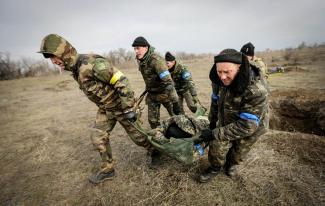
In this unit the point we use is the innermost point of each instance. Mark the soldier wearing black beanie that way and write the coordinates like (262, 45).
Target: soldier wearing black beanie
(140, 41)
(169, 57)
(248, 50)
(183, 82)
(238, 113)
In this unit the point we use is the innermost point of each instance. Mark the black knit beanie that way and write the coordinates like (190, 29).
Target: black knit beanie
(140, 41)
(169, 57)
(248, 49)
(229, 55)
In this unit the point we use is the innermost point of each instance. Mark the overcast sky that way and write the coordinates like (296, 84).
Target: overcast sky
(187, 25)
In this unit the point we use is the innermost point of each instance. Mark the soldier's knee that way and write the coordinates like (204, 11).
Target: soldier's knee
(99, 142)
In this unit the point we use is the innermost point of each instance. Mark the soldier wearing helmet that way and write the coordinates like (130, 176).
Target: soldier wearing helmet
(108, 88)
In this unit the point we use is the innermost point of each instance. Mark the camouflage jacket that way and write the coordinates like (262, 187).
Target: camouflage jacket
(103, 84)
(258, 62)
(156, 75)
(238, 114)
(183, 79)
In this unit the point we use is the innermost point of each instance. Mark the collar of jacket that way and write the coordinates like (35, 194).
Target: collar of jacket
(69, 57)
(76, 65)
(175, 68)
(147, 56)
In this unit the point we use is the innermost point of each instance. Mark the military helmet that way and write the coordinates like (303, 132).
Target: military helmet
(58, 46)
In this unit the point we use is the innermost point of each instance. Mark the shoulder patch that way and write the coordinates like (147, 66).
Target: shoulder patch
(101, 67)
(186, 75)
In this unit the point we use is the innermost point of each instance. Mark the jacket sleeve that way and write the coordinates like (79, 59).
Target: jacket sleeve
(213, 114)
(166, 79)
(254, 105)
(111, 76)
(187, 77)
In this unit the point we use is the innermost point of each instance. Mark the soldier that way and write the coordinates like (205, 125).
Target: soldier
(184, 84)
(104, 85)
(159, 83)
(237, 115)
(248, 50)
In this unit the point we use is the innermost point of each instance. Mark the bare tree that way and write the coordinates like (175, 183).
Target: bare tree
(8, 68)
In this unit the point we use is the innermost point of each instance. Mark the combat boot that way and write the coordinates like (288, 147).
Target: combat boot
(101, 177)
(230, 170)
(209, 173)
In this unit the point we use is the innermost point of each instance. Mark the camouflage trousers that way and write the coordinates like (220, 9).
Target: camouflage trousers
(189, 101)
(232, 152)
(154, 102)
(100, 136)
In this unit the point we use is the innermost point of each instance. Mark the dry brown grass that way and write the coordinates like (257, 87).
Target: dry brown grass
(46, 153)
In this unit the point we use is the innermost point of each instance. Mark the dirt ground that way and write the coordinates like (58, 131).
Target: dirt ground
(46, 154)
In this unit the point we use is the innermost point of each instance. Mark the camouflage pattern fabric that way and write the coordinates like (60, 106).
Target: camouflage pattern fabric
(154, 101)
(182, 149)
(58, 46)
(104, 85)
(241, 118)
(182, 78)
(233, 152)
(104, 124)
(185, 87)
(258, 62)
(190, 102)
(159, 85)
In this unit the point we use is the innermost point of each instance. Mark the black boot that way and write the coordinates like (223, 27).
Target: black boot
(101, 177)
(209, 174)
(230, 170)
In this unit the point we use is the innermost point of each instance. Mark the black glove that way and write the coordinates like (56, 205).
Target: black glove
(206, 135)
(176, 108)
(213, 125)
(130, 116)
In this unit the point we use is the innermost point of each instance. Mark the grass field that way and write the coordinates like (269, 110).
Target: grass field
(46, 154)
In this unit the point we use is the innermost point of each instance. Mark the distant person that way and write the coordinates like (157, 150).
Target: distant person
(184, 83)
(108, 88)
(249, 50)
(237, 115)
(158, 81)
